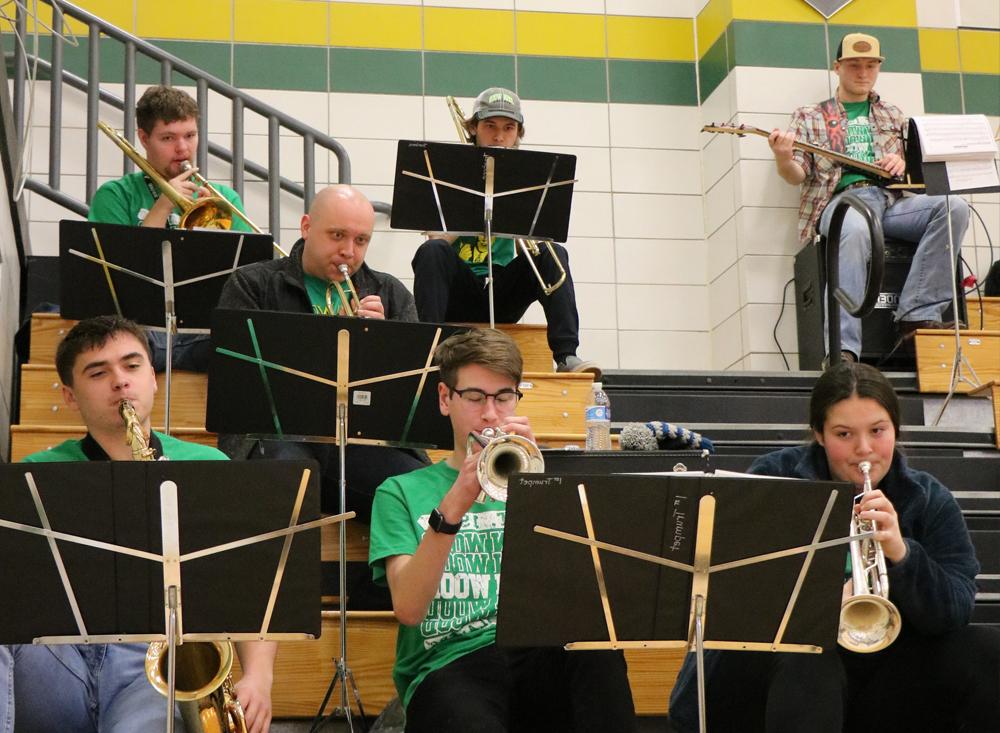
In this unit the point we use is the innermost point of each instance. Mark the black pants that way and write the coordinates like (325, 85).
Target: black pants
(367, 467)
(934, 684)
(548, 690)
(447, 291)
(191, 352)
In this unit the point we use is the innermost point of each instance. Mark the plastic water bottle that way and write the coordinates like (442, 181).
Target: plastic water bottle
(598, 419)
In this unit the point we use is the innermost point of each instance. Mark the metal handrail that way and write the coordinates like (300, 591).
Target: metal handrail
(876, 269)
(204, 82)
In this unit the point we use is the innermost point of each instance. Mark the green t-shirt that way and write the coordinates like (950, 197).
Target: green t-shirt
(317, 289)
(174, 449)
(859, 141)
(127, 200)
(472, 250)
(463, 615)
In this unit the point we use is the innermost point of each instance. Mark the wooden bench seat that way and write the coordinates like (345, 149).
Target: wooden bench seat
(42, 401)
(936, 353)
(304, 668)
(990, 313)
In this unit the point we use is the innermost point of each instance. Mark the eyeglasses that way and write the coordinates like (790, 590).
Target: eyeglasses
(475, 396)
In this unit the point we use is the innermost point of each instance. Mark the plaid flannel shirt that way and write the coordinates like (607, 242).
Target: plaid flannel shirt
(823, 174)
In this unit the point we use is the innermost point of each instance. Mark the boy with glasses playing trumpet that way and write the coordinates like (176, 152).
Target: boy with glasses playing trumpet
(439, 551)
(449, 272)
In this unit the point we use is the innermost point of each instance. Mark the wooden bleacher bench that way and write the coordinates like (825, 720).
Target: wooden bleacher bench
(990, 312)
(936, 353)
(42, 401)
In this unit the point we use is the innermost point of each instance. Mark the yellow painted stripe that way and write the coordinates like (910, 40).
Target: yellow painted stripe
(281, 21)
(785, 10)
(114, 11)
(375, 26)
(980, 51)
(712, 22)
(560, 34)
(657, 39)
(898, 13)
(465, 29)
(938, 49)
(192, 20)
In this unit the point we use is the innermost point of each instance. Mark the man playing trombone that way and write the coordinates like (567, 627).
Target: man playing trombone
(449, 272)
(167, 121)
(439, 550)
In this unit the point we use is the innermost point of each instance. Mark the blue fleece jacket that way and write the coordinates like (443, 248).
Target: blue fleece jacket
(933, 587)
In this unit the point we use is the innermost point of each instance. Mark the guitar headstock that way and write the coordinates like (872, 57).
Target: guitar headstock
(740, 130)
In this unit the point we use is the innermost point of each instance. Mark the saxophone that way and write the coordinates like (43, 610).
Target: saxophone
(204, 691)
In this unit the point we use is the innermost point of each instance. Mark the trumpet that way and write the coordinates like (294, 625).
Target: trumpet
(503, 454)
(204, 690)
(869, 621)
(234, 211)
(529, 247)
(210, 212)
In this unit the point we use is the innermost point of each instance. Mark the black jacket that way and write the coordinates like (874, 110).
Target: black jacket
(279, 285)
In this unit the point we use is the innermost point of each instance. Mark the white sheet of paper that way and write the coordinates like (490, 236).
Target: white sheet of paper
(955, 137)
(965, 175)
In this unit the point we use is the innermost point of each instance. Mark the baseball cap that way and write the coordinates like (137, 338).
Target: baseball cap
(859, 46)
(497, 102)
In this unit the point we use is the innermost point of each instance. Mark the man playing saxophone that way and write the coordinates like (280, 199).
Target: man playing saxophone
(102, 362)
(439, 551)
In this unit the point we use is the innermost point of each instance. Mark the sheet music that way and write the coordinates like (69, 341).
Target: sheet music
(955, 137)
(967, 175)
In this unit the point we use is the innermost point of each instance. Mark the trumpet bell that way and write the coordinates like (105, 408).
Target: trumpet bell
(868, 623)
(505, 455)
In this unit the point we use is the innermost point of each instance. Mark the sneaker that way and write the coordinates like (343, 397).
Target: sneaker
(577, 365)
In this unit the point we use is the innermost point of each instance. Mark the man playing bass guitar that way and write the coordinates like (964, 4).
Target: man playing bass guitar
(858, 123)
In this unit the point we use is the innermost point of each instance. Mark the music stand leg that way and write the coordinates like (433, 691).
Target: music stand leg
(956, 366)
(343, 671)
(699, 648)
(171, 326)
(171, 656)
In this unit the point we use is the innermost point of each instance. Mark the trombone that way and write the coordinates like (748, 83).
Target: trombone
(210, 212)
(529, 247)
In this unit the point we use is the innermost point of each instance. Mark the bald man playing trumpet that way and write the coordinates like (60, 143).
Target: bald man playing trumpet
(336, 235)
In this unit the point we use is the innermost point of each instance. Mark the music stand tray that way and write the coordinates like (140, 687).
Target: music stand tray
(145, 273)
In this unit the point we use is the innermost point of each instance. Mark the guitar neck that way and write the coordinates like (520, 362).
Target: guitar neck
(810, 148)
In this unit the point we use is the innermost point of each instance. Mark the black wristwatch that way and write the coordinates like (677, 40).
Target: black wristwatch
(439, 524)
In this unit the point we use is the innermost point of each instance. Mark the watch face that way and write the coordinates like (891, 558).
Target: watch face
(438, 523)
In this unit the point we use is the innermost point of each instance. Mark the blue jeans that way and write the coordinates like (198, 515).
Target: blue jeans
(101, 688)
(920, 219)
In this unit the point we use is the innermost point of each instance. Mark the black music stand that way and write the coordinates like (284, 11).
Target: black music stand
(165, 279)
(629, 562)
(103, 547)
(328, 379)
(934, 174)
(463, 189)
